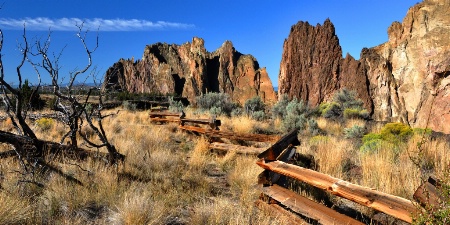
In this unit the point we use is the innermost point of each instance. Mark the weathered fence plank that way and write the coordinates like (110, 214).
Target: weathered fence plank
(275, 150)
(395, 206)
(306, 207)
(231, 135)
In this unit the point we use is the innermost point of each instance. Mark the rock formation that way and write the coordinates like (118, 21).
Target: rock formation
(189, 70)
(405, 79)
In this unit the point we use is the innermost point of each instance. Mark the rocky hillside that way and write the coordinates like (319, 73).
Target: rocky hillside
(405, 79)
(189, 70)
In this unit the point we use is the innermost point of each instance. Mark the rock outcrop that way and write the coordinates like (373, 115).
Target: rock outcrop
(189, 70)
(405, 79)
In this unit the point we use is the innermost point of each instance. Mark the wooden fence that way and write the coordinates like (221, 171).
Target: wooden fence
(278, 199)
(274, 161)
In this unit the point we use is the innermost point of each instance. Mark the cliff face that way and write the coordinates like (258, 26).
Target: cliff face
(189, 70)
(405, 79)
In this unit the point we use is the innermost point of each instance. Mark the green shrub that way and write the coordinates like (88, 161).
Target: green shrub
(279, 109)
(313, 127)
(175, 106)
(354, 132)
(216, 100)
(371, 146)
(44, 124)
(396, 132)
(236, 112)
(332, 111)
(259, 115)
(347, 99)
(422, 131)
(344, 105)
(254, 104)
(129, 105)
(296, 115)
(216, 111)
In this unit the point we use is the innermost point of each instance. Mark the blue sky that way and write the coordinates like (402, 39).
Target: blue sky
(255, 27)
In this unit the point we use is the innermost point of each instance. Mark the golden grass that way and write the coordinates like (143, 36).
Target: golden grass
(170, 176)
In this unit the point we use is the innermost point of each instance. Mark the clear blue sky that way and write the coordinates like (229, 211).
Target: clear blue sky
(255, 27)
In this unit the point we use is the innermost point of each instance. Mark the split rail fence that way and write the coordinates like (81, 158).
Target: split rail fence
(278, 199)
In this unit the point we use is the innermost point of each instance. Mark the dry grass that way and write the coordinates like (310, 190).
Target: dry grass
(166, 179)
(171, 177)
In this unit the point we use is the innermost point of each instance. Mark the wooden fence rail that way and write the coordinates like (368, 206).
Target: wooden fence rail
(274, 159)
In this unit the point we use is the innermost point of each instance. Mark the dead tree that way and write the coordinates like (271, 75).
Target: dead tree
(30, 150)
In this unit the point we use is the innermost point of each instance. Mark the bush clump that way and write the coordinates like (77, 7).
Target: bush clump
(355, 131)
(294, 114)
(175, 106)
(346, 105)
(44, 124)
(391, 133)
(216, 103)
(255, 108)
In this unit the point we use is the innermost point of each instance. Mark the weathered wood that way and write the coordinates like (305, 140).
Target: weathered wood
(163, 114)
(395, 206)
(237, 148)
(231, 135)
(275, 150)
(283, 214)
(306, 207)
(164, 120)
(213, 123)
(428, 193)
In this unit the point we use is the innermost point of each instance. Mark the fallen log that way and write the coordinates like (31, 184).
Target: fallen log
(306, 207)
(231, 135)
(237, 148)
(393, 205)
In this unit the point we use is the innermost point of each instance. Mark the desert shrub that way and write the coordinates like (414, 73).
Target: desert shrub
(44, 124)
(216, 100)
(175, 106)
(259, 115)
(355, 113)
(129, 106)
(391, 133)
(355, 131)
(254, 104)
(396, 132)
(344, 105)
(236, 112)
(313, 127)
(294, 114)
(422, 131)
(332, 111)
(216, 111)
(279, 109)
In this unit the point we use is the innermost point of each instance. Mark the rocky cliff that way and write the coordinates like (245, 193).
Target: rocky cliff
(405, 79)
(189, 70)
